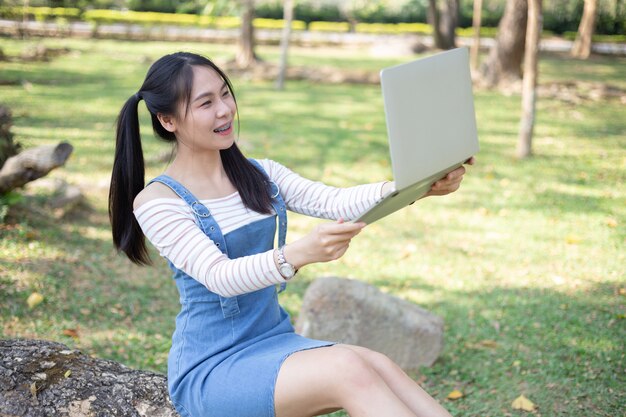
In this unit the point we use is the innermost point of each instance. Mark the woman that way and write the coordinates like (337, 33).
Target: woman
(212, 215)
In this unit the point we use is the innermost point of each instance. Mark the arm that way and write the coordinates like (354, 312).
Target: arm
(320, 200)
(170, 227)
(330, 241)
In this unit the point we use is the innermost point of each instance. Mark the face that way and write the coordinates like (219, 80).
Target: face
(209, 118)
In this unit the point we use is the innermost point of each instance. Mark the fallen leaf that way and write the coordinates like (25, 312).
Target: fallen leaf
(71, 333)
(573, 239)
(611, 222)
(34, 300)
(408, 250)
(455, 395)
(68, 373)
(523, 403)
(488, 343)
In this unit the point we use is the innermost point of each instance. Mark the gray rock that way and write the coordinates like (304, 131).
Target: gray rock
(353, 312)
(40, 378)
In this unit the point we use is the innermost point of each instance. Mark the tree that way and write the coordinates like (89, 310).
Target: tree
(8, 147)
(476, 23)
(529, 83)
(246, 57)
(582, 44)
(284, 43)
(503, 65)
(444, 22)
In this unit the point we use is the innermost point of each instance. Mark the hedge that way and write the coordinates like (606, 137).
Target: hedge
(40, 14)
(103, 16)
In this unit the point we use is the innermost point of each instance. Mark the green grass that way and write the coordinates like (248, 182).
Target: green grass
(525, 263)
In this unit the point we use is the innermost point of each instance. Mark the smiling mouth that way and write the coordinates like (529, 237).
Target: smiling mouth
(223, 128)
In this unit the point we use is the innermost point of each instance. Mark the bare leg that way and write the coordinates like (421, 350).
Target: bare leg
(401, 384)
(321, 380)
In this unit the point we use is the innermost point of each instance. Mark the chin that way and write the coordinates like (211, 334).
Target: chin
(226, 143)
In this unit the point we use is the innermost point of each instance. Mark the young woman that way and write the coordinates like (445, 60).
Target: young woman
(213, 215)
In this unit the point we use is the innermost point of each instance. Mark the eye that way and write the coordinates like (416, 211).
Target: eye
(226, 93)
(206, 103)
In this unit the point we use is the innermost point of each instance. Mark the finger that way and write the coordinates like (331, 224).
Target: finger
(459, 172)
(447, 182)
(340, 250)
(470, 161)
(338, 239)
(341, 228)
(447, 185)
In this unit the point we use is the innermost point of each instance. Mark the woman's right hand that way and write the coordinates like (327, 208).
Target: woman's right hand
(326, 242)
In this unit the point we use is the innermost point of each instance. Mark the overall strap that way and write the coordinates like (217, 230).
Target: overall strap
(209, 226)
(279, 207)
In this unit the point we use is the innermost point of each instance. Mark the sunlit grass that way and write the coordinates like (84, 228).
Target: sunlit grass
(528, 254)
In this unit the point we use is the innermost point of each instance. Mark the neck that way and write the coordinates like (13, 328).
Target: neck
(196, 167)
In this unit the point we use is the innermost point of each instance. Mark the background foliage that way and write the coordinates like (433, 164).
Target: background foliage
(559, 15)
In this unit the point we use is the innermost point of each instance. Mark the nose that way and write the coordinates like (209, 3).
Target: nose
(223, 109)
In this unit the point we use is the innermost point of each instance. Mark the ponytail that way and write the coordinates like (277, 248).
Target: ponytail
(127, 180)
(247, 179)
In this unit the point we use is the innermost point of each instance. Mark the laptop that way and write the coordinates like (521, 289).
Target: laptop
(431, 126)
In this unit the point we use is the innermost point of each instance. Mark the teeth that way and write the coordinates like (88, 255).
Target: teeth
(223, 128)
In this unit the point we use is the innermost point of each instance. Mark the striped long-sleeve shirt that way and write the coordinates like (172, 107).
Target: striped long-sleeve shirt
(170, 226)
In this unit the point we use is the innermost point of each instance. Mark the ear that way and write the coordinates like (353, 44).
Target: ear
(168, 122)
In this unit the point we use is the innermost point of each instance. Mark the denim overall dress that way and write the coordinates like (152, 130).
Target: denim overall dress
(226, 351)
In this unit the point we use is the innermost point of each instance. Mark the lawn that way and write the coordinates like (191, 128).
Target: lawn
(525, 262)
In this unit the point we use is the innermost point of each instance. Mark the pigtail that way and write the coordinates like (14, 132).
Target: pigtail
(127, 180)
(247, 179)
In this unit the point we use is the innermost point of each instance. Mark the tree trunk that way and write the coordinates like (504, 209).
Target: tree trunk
(284, 43)
(8, 148)
(476, 23)
(582, 45)
(448, 21)
(32, 164)
(529, 84)
(433, 21)
(444, 22)
(41, 378)
(246, 56)
(503, 65)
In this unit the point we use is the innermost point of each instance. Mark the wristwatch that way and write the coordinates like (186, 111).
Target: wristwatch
(285, 268)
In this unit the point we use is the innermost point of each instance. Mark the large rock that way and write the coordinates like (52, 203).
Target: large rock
(40, 378)
(353, 312)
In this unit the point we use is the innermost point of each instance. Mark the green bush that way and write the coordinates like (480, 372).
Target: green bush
(329, 26)
(560, 16)
(598, 38)
(40, 14)
(262, 23)
(145, 18)
(161, 6)
(485, 32)
(394, 28)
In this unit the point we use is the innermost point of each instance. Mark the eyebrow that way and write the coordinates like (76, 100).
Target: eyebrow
(209, 93)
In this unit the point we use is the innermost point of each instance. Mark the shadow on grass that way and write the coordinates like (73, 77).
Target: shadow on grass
(562, 348)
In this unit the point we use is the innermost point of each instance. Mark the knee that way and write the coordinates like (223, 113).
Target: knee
(352, 372)
(381, 362)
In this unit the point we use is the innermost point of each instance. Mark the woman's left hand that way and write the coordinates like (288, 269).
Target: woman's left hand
(451, 182)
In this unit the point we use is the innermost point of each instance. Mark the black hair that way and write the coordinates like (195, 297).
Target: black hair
(168, 83)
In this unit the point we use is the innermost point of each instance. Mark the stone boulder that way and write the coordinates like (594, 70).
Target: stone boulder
(353, 312)
(40, 378)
